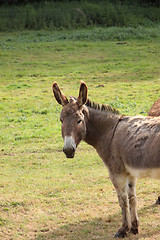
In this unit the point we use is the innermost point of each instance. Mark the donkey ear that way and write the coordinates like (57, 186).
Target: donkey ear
(61, 99)
(82, 98)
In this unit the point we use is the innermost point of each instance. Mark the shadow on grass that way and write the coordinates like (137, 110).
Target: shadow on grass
(98, 228)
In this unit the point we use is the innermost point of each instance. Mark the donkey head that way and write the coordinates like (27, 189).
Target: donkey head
(72, 118)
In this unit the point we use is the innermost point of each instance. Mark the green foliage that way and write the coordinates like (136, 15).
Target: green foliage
(77, 14)
(17, 2)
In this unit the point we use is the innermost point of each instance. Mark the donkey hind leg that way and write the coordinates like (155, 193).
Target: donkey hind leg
(158, 201)
(120, 184)
(133, 205)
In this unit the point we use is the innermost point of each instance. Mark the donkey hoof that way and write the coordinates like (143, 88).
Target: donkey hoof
(158, 201)
(134, 230)
(120, 234)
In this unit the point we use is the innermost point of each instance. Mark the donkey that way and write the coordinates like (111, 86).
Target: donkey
(155, 112)
(128, 146)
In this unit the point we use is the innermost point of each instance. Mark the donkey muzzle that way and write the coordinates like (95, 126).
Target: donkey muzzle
(69, 146)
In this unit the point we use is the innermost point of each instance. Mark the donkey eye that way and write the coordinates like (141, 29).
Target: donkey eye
(61, 120)
(79, 121)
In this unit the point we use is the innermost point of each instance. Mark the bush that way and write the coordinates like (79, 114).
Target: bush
(76, 14)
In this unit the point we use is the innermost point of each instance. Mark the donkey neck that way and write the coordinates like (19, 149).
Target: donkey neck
(100, 127)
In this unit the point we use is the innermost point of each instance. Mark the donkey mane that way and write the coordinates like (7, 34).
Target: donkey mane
(97, 106)
(102, 108)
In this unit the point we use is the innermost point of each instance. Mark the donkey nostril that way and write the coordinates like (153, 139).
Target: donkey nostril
(68, 150)
(64, 150)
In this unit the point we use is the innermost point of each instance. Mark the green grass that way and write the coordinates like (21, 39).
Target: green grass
(43, 195)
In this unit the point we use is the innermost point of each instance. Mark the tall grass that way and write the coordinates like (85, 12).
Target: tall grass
(59, 15)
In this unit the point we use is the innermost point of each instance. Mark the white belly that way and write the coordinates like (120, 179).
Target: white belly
(144, 173)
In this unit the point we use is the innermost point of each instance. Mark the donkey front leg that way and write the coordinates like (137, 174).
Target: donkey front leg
(158, 201)
(120, 184)
(133, 205)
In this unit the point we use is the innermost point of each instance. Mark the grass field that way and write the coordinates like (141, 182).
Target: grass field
(43, 195)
